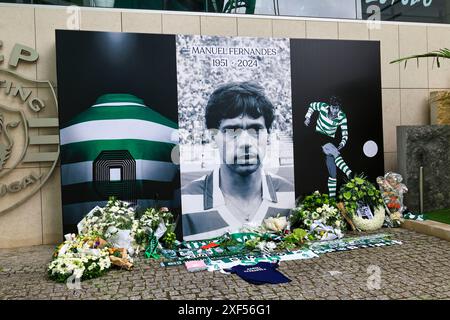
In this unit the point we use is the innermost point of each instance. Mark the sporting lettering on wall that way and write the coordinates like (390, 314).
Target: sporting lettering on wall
(22, 143)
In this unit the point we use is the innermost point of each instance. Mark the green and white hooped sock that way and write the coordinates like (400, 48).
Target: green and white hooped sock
(332, 182)
(340, 163)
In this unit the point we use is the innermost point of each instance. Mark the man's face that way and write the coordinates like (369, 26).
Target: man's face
(242, 143)
(334, 110)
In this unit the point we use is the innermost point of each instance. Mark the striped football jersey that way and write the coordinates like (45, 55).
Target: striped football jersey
(327, 126)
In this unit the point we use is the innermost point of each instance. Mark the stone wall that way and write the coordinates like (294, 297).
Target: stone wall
(427, 146)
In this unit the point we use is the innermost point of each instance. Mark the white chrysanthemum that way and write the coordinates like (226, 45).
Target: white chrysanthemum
(261, 245)
(271, 246)
(275, 224)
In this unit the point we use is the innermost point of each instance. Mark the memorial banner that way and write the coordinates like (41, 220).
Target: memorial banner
(224, 131)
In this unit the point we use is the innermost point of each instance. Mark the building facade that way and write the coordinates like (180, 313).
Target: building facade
(405, 91)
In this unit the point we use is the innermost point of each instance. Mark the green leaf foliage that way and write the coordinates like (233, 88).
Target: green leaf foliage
(359, 191)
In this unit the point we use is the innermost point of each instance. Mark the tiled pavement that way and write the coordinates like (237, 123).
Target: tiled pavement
(418, 269)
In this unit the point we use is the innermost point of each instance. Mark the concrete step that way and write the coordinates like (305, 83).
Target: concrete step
(429, 227)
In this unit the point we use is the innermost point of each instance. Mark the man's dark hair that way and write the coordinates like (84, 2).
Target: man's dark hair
(238, 98)
(336, 101)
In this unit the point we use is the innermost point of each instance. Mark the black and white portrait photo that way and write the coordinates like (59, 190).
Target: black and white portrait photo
(236, 148)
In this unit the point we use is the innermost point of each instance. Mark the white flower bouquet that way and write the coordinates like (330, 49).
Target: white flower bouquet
(266, 246)
(116, 215)
(319, 210)
(154, 222)
(83, 257)
(115, 223)
(371, 224)
(323, 232)
(361, 198)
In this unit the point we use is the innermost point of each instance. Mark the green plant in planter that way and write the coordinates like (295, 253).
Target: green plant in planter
(359, 191)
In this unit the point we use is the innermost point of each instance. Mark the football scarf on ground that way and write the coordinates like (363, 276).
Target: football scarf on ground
(412, 216)
(193, 250)
(152, 248)
(218, 258)
(117, 147)
(346, 244)
(239, 237)
(315, 250)
(248, 260)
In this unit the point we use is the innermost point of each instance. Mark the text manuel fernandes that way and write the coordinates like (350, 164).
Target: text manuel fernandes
(231, 51)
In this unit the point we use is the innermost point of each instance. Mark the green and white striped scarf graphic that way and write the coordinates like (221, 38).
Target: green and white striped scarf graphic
(117, 122)
(327, 126)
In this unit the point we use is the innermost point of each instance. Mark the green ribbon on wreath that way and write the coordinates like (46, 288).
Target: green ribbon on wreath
(150, 251)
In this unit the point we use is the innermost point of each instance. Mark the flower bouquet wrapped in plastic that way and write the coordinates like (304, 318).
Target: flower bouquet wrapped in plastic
(392, 190)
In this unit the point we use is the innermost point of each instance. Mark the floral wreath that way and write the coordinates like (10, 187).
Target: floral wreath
(370, 224)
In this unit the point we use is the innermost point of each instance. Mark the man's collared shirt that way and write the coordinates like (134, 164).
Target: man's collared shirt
(205, 214)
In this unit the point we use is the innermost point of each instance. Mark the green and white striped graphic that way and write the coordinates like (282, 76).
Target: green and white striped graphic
(340, 163)
(327, 126)
(332, 183)
(117, 122)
